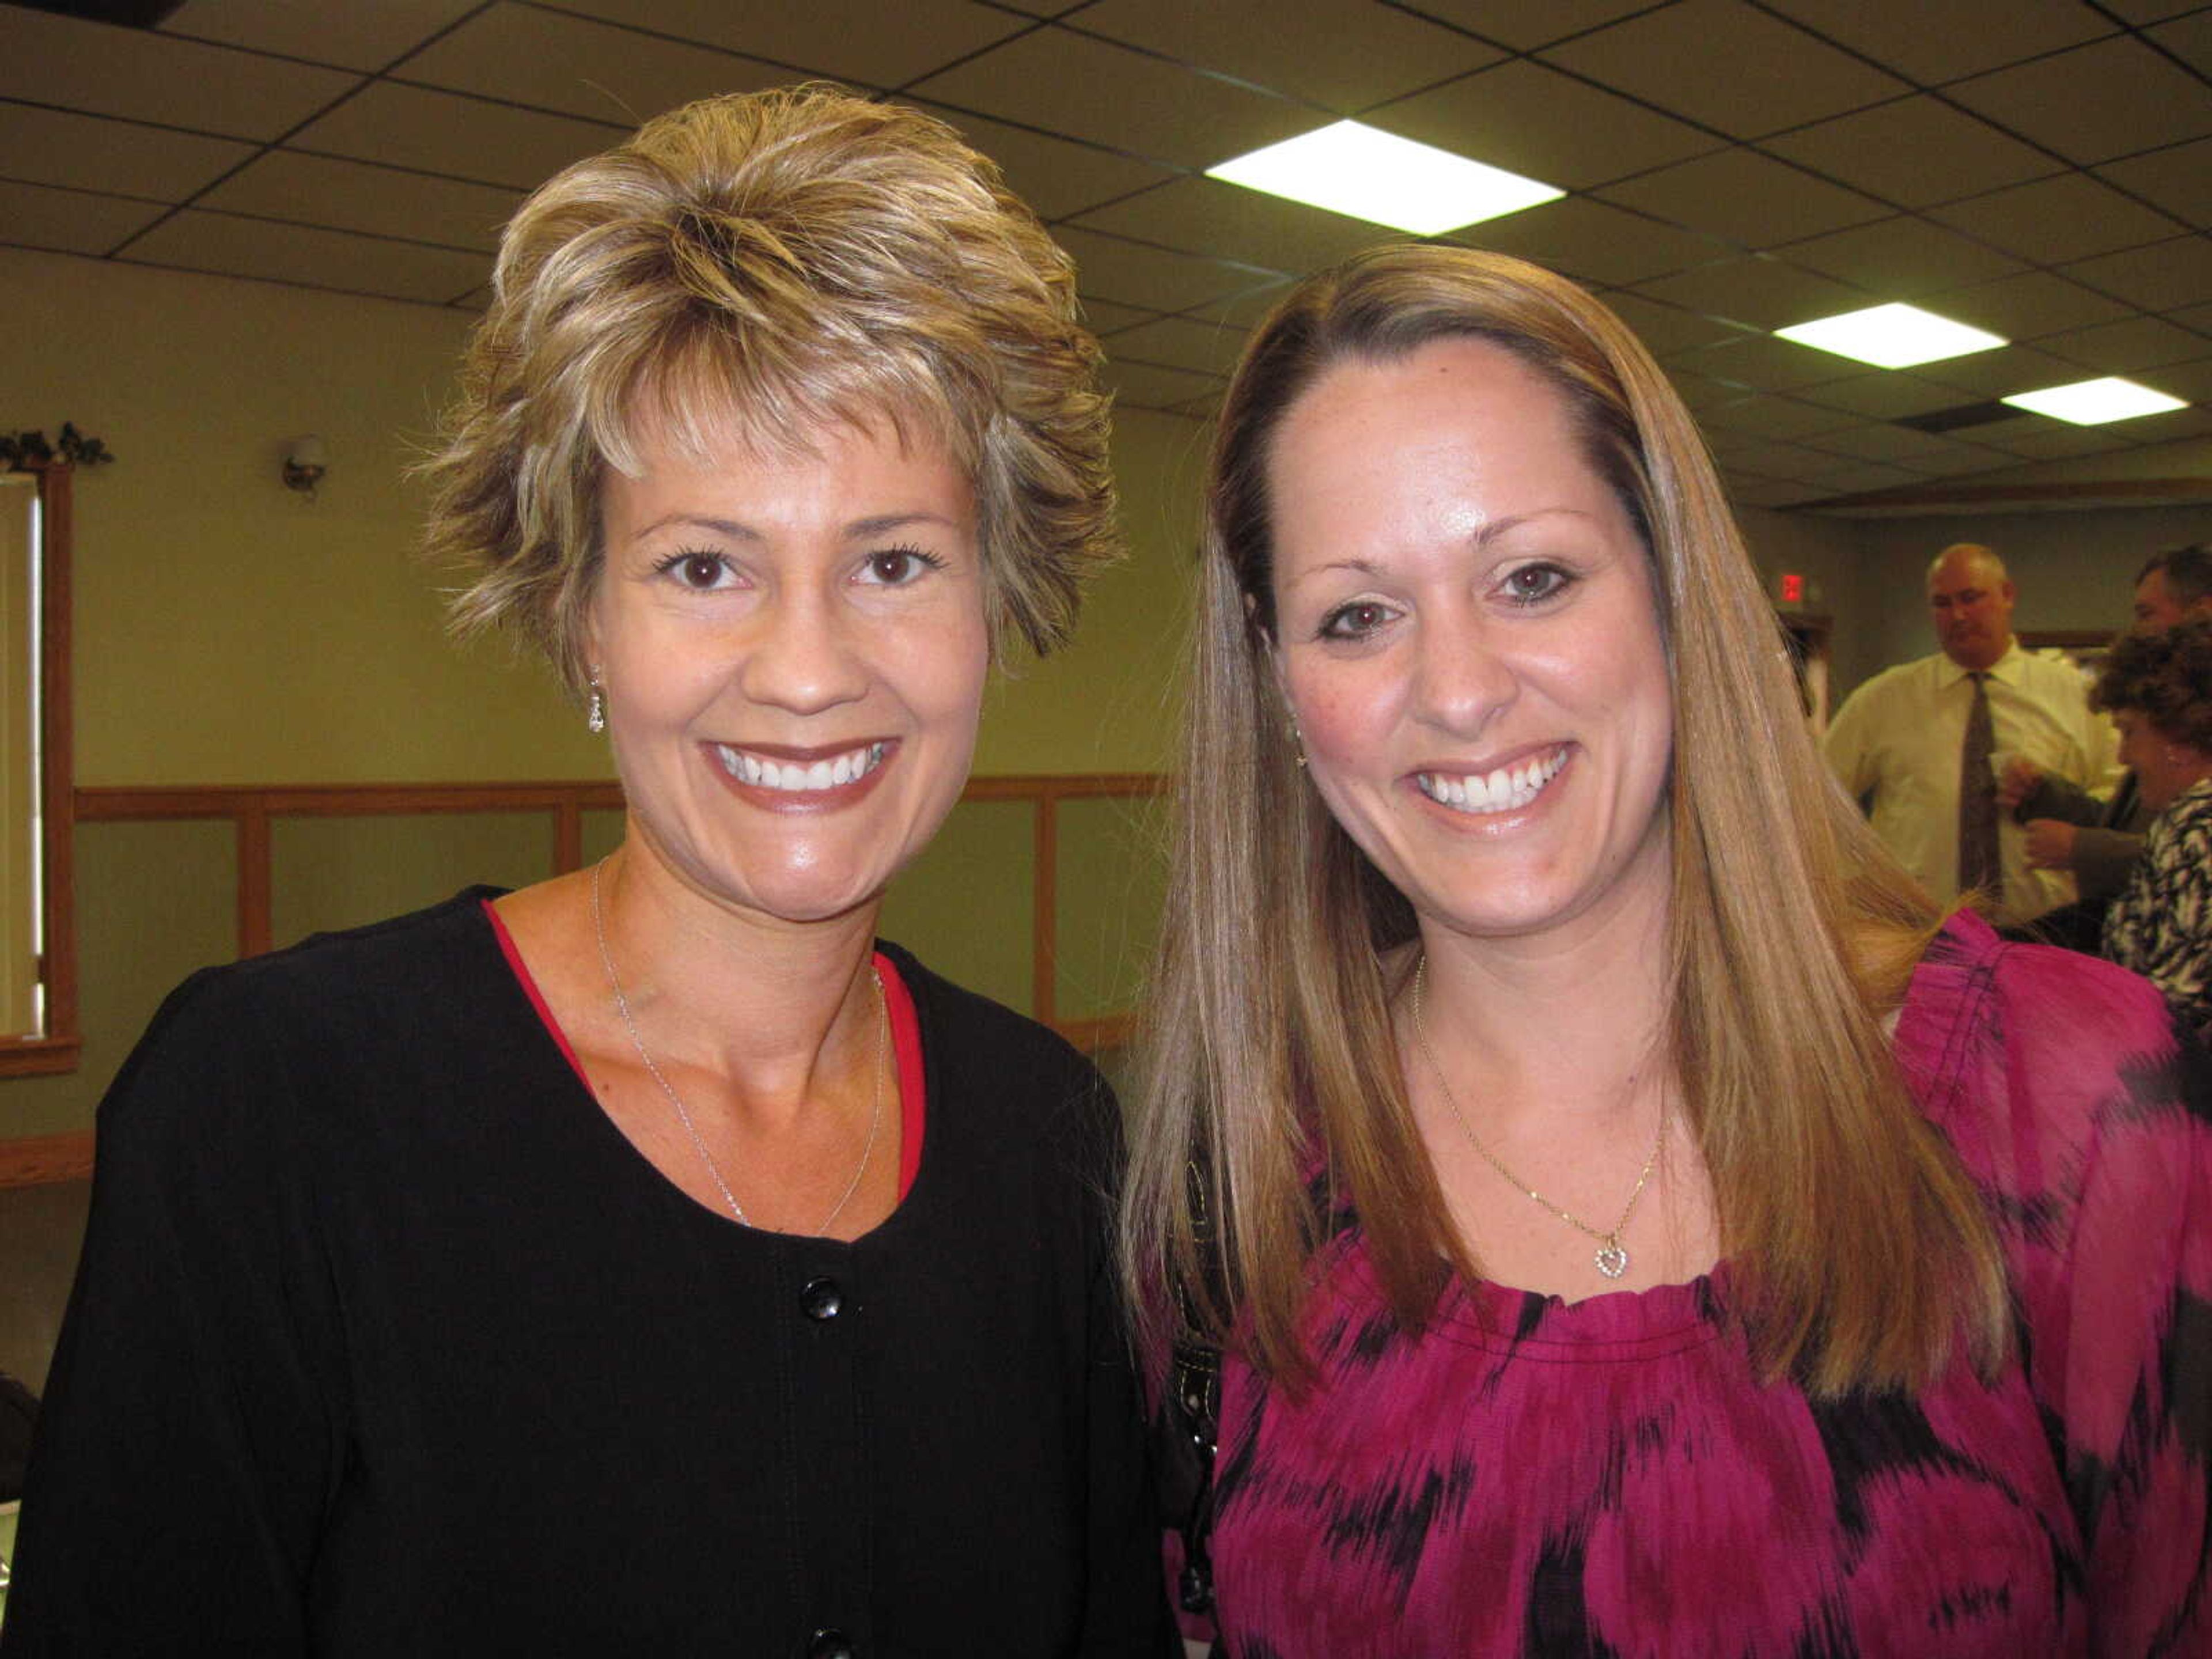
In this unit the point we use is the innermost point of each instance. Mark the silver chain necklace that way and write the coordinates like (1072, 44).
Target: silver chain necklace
(684, 1116)
(1611, 1255)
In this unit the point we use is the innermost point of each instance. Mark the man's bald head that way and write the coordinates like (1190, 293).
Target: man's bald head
(1970, 599)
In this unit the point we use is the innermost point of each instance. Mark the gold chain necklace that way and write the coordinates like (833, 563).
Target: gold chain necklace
(1612, 1255)
(684, 1117)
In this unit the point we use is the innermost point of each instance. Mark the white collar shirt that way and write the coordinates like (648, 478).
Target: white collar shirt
(1897, 742)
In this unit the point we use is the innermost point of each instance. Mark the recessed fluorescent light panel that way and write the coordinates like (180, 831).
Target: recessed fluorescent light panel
(2092, 403)
(1370, 174)
(1892, 337)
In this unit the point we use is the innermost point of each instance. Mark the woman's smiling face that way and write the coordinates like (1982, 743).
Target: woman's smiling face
(793, 651)
(1468, 638)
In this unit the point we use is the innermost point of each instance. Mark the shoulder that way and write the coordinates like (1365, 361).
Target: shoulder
(2050, 1071)
(238, 1031)
(989, 1059)
(1904, 682)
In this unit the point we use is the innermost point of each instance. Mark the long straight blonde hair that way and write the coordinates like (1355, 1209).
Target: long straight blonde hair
(1792, 934)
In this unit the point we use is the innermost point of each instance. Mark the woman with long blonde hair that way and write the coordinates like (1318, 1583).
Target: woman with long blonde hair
(1629, 1217)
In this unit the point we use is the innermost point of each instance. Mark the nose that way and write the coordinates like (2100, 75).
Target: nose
(1462, 681)
(804, 656)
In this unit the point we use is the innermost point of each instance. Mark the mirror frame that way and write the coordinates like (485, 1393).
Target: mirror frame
(56, 1049)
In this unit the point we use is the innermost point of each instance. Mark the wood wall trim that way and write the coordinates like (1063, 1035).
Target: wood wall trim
(251, 808)
(37, 1159)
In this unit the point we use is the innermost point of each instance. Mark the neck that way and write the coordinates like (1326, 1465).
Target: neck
(1559, 1022)
(767, 1004)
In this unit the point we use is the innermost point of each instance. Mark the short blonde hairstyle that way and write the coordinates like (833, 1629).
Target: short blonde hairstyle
(1791, 934)
(767, 264)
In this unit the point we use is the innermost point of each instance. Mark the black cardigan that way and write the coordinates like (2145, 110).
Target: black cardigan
(387, 1342)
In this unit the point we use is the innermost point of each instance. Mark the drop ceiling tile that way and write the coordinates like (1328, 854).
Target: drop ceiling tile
(2189, 39)
(1666, 329)
(460, 138)
(1751, 200)
(1782, 460)
(1759, 292)
(2051, 221)
(2000, 373)
(1935, 44)
(85, 152)
(1248, 307)
(1124, 99)
(353, 36)
(303, 254)
(1543, 125)
(69, 220)
(317, 190)
(1674, 57)
(2122, 347)
(1768, 364)
(1180, 342)
(2196, 317)
(1339, 57)
(1858, 479)
(1055, 176)
(1887, 151)
(1104, 316)
(1889, 396)
(2191, 381)
(1109, 268)
(1769, 419)
(2039, 438)
(2178, 180)
(1700, 391)
(2151, 11)
(102, 69)
(2159, 278)
(1142, 385)
(2192, 422)
(863, 41)
(1902, 259)
(576, 66)
(1902, 445)
(2027, 307)
(1769, 492)
(1593, 241)
(2095, 102)
(1525, 25)
(1204, 216)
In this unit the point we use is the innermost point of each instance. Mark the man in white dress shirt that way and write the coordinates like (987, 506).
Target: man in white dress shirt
(1924, 742)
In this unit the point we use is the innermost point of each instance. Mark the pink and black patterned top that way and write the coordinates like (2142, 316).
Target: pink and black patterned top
(1609, 1477)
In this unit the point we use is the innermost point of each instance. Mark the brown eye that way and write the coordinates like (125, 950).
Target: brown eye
(1354, 621)
(699, 570)
(1533, 584)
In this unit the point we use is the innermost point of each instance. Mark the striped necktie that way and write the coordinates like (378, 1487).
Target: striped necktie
(1978, 801)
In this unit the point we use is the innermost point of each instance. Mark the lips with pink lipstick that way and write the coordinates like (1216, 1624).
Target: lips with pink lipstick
(801, 773)
(1508, 788)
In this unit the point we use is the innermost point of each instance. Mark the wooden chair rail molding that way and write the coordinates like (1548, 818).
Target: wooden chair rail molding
(251, 808)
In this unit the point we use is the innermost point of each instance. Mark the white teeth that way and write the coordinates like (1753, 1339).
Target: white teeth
(799, 777)
(1505, 790)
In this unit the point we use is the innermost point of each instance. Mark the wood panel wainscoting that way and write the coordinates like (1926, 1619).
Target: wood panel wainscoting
(252, 809)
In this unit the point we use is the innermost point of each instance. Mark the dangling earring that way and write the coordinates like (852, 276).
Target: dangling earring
(1299, 743)
(595, 714)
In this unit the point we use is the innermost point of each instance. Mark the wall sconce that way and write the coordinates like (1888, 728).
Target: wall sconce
(305, 462)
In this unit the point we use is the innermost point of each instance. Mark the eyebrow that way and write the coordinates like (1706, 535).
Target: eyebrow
(881, 524)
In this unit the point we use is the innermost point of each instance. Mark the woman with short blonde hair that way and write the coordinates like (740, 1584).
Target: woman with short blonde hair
(1591, 1160)
(651, 1260)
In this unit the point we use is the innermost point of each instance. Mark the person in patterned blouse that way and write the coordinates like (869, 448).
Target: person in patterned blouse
(1589, 1198)
(2158, 689)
